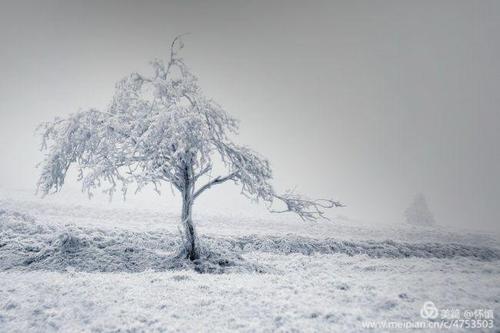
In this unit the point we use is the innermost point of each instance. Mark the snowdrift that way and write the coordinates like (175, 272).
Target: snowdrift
(27, 245)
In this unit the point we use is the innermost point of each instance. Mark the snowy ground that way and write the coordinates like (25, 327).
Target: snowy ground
(90, 268)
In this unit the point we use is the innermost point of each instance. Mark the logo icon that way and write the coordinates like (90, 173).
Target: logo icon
(429, 310)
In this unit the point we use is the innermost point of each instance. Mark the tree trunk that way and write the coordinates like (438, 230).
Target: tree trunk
(190, 237)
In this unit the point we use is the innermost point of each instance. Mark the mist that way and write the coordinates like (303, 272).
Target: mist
(364, 102)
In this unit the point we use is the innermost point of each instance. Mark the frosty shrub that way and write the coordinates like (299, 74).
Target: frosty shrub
(162, 128)
(418, 212)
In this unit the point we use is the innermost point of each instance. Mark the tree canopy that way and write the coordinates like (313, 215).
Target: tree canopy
(161, 128)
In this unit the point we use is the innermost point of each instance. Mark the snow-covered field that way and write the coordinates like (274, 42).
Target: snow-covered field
(91, 268)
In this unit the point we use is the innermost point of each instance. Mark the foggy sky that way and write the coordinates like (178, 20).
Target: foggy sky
(368, 102)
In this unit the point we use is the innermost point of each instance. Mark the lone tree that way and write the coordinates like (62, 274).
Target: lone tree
(418, 212)
(162, 128)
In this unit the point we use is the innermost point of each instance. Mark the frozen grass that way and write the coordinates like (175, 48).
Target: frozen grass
(91, 270)
(28, 245)
(147, 217)
(322, 293)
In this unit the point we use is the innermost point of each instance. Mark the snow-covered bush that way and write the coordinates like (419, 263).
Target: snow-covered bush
(418, 212)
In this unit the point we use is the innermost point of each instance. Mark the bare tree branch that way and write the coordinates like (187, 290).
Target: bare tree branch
(215, 181)
(306, 209)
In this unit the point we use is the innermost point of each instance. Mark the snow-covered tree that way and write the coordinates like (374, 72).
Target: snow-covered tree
(418, 212)
(162, 128)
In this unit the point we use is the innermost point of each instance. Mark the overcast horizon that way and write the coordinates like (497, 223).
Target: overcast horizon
(367, 104)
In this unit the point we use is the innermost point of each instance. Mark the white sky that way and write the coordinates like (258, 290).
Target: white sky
(367, 102)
